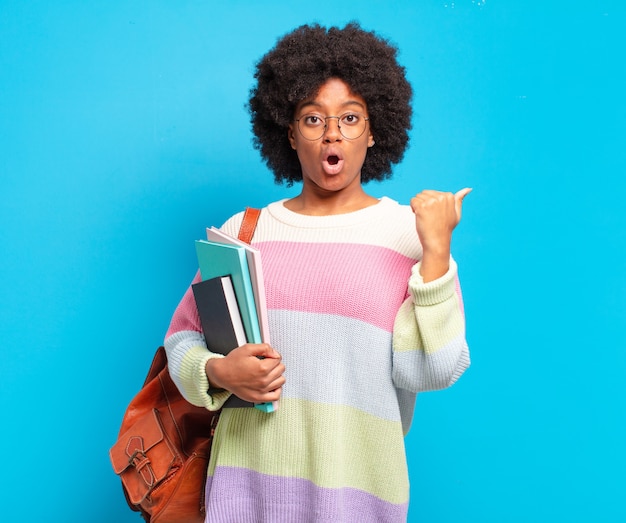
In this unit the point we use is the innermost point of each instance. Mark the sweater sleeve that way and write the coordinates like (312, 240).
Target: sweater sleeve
(429, 347)
(187, 354)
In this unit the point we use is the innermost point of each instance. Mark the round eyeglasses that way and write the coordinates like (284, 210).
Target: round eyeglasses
(313, 126)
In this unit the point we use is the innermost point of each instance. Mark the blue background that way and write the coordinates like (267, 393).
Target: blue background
(123, 134)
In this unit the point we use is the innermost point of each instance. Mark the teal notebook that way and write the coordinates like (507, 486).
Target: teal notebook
(220, 259)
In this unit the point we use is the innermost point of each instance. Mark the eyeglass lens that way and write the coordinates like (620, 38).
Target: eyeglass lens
(313, 126)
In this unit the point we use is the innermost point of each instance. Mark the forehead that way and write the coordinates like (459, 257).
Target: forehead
(333, 95)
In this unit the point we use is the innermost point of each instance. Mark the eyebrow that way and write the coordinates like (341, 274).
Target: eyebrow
(345, 104)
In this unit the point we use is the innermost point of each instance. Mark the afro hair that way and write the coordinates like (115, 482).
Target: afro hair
(295, 69)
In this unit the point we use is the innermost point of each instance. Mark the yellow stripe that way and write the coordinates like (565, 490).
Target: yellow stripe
(445, 324)
(331, 445)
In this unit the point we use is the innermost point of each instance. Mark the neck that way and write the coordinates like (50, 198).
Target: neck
(324, 205)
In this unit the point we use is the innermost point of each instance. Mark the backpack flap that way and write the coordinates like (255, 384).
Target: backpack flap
(142, 462)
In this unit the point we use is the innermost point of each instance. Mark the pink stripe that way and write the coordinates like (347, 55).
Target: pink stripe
(364, 282)
(186, 317)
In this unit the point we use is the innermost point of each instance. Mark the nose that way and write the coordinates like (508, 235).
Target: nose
(332, 132)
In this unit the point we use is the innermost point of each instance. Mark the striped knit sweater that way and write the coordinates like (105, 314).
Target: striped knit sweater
(357, 342)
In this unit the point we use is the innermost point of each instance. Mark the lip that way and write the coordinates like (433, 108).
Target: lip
(332, 161)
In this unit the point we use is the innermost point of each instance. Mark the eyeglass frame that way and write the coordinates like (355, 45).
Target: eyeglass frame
(325, 118)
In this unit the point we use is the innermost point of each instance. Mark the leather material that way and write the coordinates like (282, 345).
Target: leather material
(250, 219)
(162, 452)
(164, 443)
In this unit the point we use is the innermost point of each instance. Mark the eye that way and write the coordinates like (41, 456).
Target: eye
(350, 119)
(312, 120)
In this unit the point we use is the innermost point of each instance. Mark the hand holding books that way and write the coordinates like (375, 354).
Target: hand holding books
(253, 372)
(244, 370)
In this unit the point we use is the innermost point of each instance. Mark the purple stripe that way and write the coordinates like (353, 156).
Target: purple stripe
(242, 496)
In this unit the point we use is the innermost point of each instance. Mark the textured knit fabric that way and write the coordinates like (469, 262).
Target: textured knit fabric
(360, 334)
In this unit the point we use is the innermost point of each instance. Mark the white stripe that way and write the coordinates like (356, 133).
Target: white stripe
(348, 370)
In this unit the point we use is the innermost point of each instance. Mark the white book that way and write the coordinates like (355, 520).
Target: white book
(256, 275)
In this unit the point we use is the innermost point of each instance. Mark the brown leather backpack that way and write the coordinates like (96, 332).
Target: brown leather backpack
(163, 449)
(164, 443)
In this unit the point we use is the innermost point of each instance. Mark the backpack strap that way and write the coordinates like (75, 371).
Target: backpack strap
(248, 225)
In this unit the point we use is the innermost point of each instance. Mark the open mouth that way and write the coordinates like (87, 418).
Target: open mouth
(333, 163)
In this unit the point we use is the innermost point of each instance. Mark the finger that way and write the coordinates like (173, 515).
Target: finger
(429, 195)
(271, 353)
(276, 384)
(462, 193)
(429, 192)
(458, 200)
(265, 351)
(271, 396)
(422, 199)
(272, 368)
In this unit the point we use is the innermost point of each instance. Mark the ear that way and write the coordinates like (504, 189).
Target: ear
(290, 135)
(370, 140)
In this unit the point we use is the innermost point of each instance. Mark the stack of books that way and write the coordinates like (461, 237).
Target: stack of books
(231, 298)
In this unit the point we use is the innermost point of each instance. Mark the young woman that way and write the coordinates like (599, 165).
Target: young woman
(363, 297)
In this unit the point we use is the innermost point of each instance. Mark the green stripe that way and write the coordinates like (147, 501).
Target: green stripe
(444, 321)
(333, 446)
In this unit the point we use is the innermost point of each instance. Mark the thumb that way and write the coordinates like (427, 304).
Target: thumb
(266, 351)
(458, 200)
